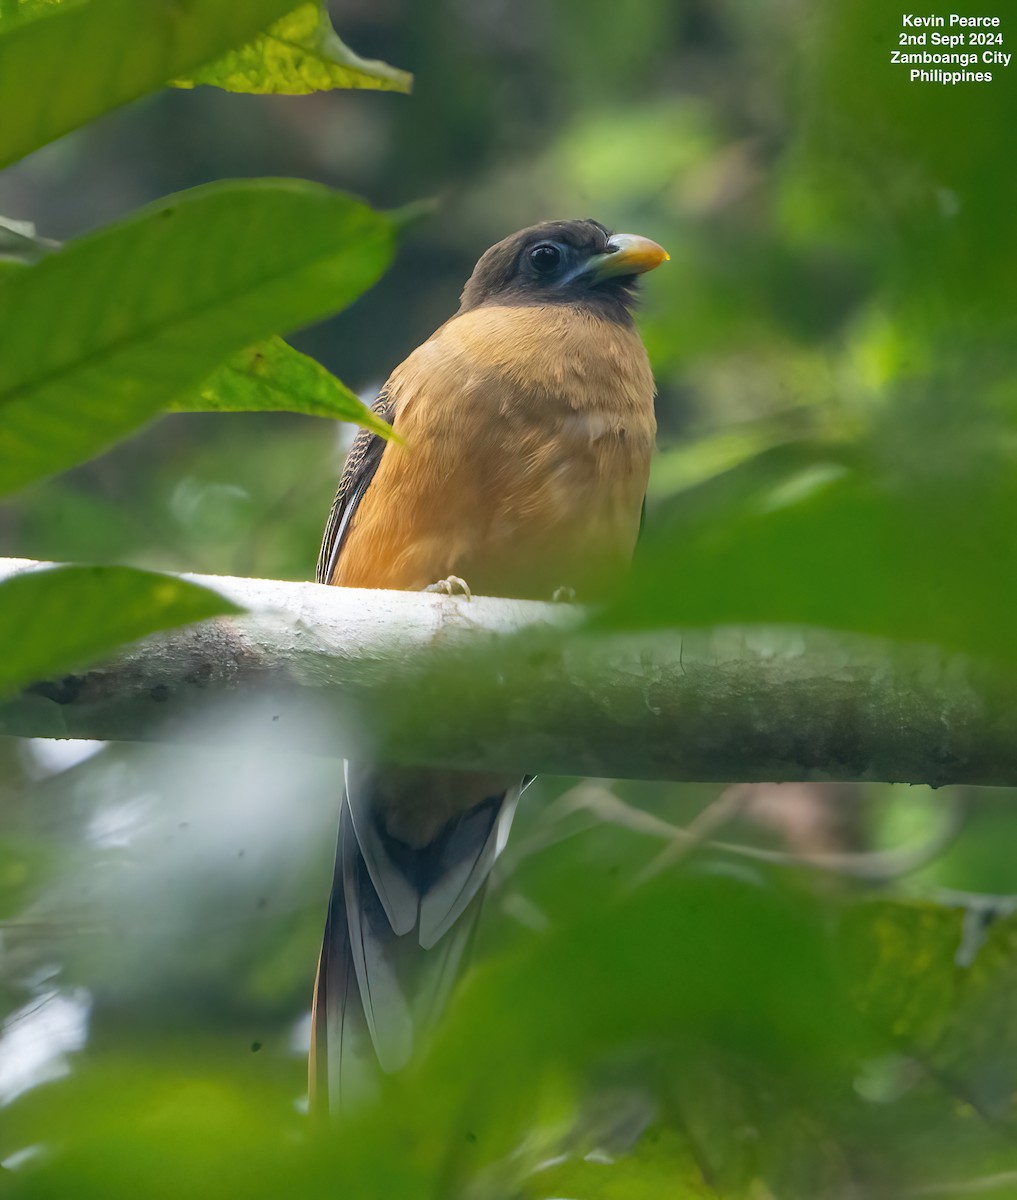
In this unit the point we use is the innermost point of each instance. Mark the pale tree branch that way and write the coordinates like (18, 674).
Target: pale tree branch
(517, 685)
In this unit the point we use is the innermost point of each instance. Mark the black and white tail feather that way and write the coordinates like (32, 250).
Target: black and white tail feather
(399, 922)
(400, 916)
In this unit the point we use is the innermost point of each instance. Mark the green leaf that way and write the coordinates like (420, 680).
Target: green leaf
(102, 335)
(660, 1165)
(830, 544)
(273, 377)
(939, 982)
(63, 618)
(299, 54)
(25, 863)
(660, 971)
(75, 61)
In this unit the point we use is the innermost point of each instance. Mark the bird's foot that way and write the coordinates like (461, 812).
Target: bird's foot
(563, 595)
(452, 586)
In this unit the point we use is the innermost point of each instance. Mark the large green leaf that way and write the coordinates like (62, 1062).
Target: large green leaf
(66, 617)
(70, 64)
(833, 544)
(269, 377)
(299, 54)
(102, 335)
(683, 970)
(939, 981)
(273, 377)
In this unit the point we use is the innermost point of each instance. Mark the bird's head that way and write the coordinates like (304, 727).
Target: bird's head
(579, 263)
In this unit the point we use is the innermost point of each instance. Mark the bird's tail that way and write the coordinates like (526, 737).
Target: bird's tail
(400, 919)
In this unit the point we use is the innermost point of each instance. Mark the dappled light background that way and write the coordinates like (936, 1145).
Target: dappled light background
(834, 344)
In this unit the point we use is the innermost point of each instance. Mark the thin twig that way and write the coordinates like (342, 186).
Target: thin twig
(729, 805)
(871, 866)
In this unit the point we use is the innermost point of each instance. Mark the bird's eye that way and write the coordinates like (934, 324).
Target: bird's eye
(545, 258)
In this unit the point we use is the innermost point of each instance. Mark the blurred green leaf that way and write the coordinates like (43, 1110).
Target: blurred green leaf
(75, 61)
(25, 865)
(661, 1165)
(722, 1002)
(909, 984)
(687, 465)
(197, 276)
(273, 377)
(829, 544)
(299, 54)
(659, 975)
(939, 983)
(63, 618)
(689, 971)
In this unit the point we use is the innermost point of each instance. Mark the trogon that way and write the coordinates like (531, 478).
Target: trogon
(526, 427)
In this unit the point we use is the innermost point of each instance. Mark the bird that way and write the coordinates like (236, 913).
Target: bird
(525, 427)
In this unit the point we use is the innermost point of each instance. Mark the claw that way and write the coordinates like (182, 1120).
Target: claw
(563, 595)
(452, 586)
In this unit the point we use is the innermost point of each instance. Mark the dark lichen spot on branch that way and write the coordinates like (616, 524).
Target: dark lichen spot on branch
(66, 690)
(200, 675)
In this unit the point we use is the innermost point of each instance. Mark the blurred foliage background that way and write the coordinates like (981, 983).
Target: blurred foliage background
(834, 343)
